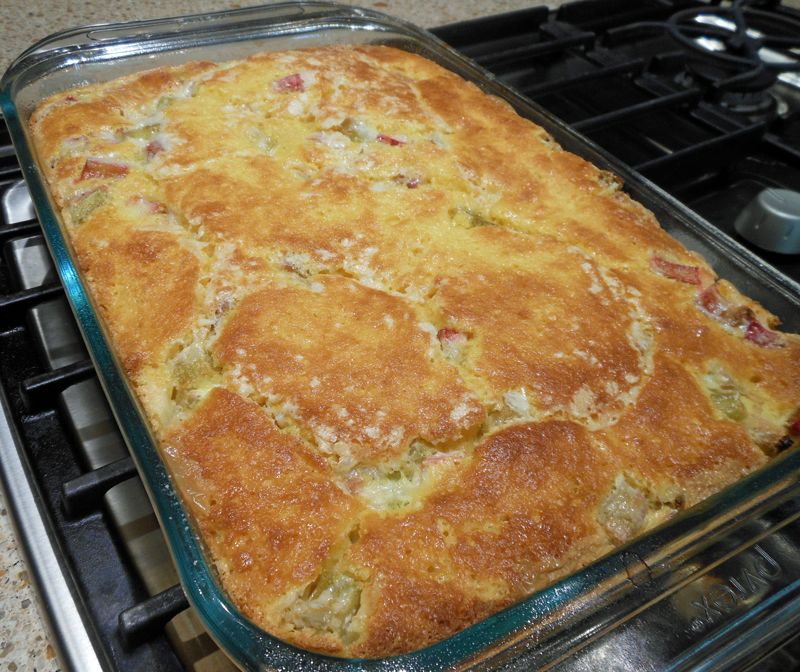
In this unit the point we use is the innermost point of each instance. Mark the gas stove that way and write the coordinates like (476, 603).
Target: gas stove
(702, 98)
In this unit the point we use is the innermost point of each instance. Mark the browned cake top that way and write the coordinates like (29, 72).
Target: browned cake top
(407, 359)
(269, 505)
(336, 348)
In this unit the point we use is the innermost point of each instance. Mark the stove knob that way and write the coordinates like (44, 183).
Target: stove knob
(772, 221)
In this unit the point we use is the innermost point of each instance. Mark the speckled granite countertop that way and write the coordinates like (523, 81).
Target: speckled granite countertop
(24, 644)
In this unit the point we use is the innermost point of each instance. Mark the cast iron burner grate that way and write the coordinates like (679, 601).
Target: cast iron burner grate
(617, 70)
(726, 44)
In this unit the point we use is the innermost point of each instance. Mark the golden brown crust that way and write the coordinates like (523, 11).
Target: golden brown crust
(265, 505)
(72, 118)
(528, 327)
(517, 518)
(407, 359)
(334, 349)
(674, 441)
(153, 266)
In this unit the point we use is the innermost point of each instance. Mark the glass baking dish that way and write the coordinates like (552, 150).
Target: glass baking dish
(705, 589)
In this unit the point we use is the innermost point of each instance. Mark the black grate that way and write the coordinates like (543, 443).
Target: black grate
(9, 166)
(602, 66)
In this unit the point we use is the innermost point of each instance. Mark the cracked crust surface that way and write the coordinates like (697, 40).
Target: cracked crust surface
(336, 348)
(407, 359)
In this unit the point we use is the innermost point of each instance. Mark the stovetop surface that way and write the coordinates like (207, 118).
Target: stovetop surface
(609, 68)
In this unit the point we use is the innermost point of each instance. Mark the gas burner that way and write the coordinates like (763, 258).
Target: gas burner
(761, 104)
(737, 49)
(756, 104)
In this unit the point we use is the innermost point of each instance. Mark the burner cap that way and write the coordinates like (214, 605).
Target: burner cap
(750, 103)
(757, 104)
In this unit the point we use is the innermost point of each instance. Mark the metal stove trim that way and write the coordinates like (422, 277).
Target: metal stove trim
(66, 617)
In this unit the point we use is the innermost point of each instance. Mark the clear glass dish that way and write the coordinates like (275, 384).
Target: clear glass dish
(704, 590)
